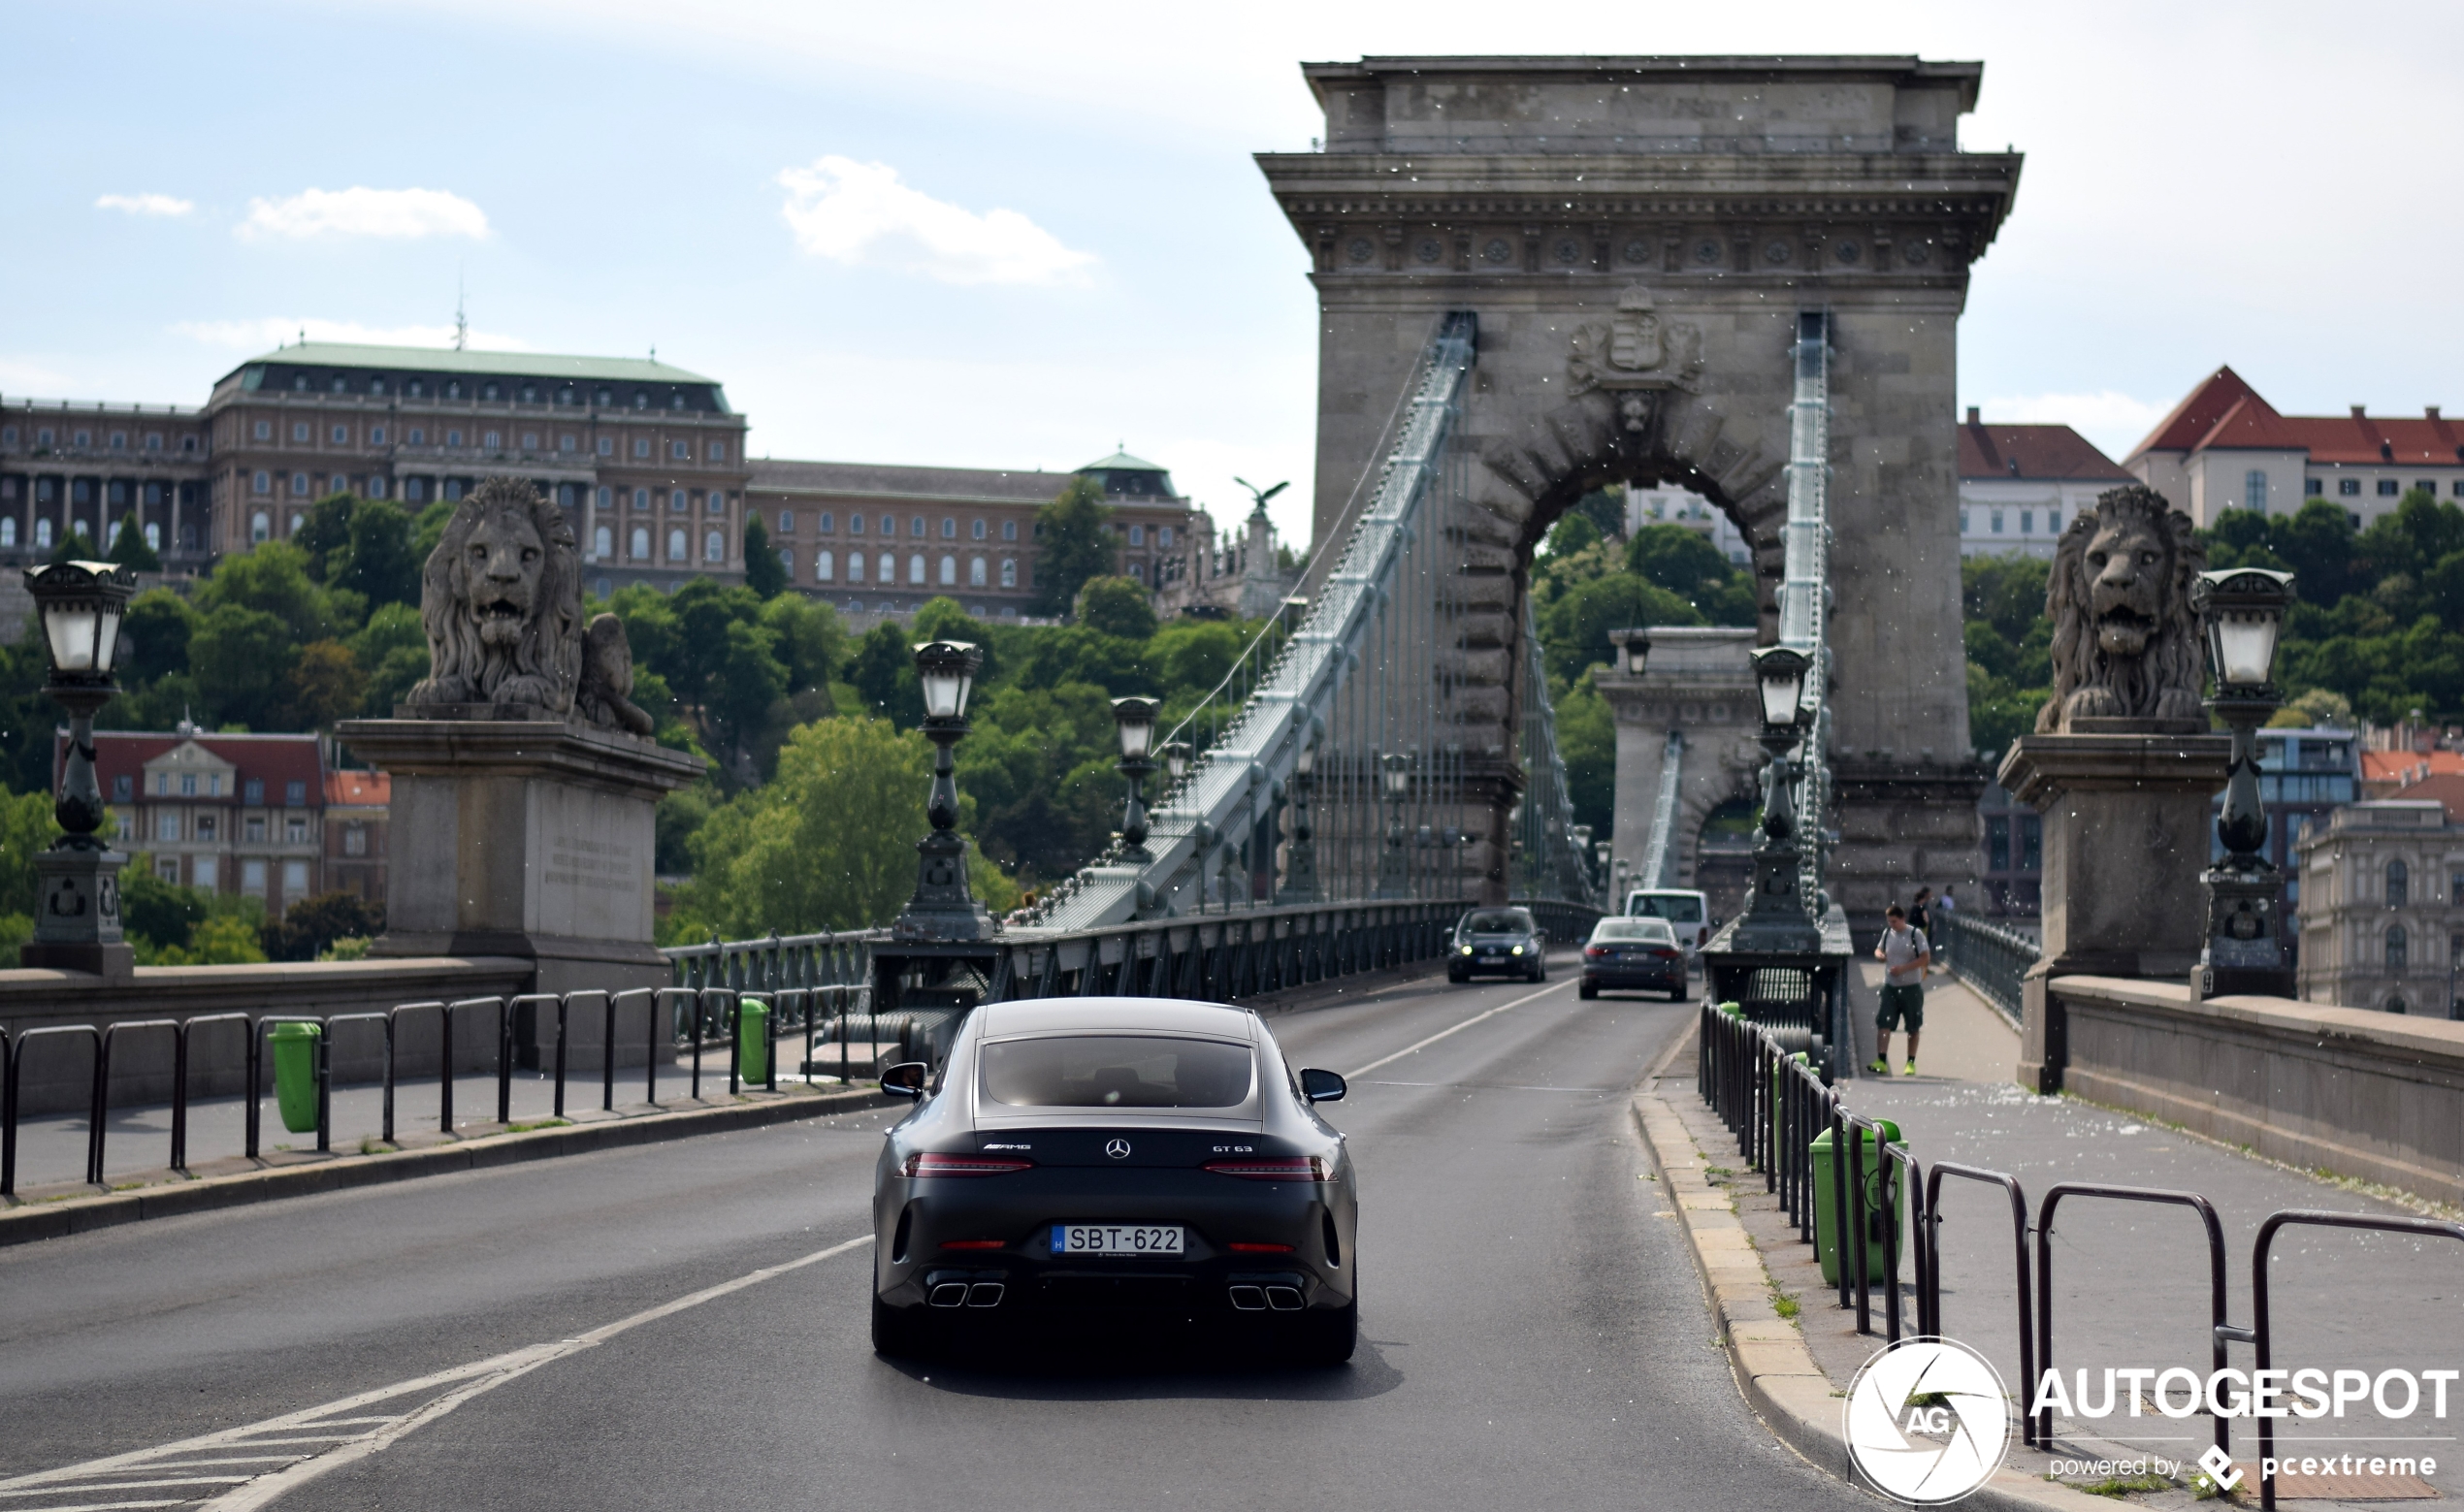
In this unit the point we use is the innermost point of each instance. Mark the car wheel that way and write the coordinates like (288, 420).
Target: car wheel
(1458, 977)
(1328, 1337)
(1676, 994)
(898, 1332)
(1588, 990)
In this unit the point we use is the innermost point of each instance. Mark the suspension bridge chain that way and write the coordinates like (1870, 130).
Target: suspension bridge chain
(1805, 594)
(1552, 866)
(1664, 817)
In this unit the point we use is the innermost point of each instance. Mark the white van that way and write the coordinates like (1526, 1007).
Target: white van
(1688, 912)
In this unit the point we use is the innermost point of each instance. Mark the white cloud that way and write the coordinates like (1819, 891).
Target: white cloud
(146, 203)
(274, 330)
(365, 212)
(21, 375)
(859, 213)
(2114, 420)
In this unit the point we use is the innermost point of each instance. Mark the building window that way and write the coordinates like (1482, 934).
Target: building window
(299, 485)
(915, 525)
(253, 877)
(253, 829)
(825, 524)
(718, 451)
(1137, 536)
(677, 550)
(2312, 488)
(1009, 572)
(641, 498)
(153, 537)
(641, 446)
(568, 443)
(675, 500)
(854, 566)
(714, 547)
(949, 528)
(641, 543)
(602, 543)
(355, 840)
(340, 435)
(295, 830)
(2399, 884)
(975, 529)
(2386, 488)
(678, 451)
(1997, 522)
(264, 432)
(252, 792)
(916, 570)
(299, 432)
(260, 529)
(975, 572)
(1163, 535)
(607, 446)
(949, 571)
(167, 825)
(9, 532)
(1009, 530)
(453, 439)
(825, 567)
(297, 520)
(855, 524)
(717, 504)
(2027, 524)
(1138, 572)
(786, 521)
(2396, 949)
(885, 569)
(2348, 488)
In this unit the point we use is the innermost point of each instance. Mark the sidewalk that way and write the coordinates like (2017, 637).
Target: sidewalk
(2130, 1280)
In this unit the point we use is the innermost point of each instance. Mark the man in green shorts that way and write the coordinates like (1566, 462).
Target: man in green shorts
(1903, 953)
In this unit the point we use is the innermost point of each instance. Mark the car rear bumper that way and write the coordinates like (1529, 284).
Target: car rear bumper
(1618, 979)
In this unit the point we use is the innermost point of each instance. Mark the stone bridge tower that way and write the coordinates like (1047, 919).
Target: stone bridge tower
(1637, 237)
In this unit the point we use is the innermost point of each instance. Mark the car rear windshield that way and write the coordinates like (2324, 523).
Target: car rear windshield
(1116, 1071)
(1634, 930)
(1496, 925)
(1672, 906)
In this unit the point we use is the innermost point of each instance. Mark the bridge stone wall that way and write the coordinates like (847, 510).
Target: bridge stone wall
(1637, 236)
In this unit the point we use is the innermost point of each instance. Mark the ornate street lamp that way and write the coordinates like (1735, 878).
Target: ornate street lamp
(1394, 779)
(1774, 918)
(77, 924)
(2241, 610)
(943, 907)
(1633, 648)
(1300, 861)
(1134, 720)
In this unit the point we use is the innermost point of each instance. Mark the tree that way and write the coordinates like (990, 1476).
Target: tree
(129, 548)
(1116, 606)
(376, 559)
(1073, 538)
(392, 650)
(273, 579)
(153, 637)
(325, 534)
(827, 843)
(764, 572)
(158, 912)
(241, 659)
(882, 671)
(1686, 563)
(308, 928)
(809, 639)
(429, 529)
(1575, 629)
(75, 546)
(324, 684)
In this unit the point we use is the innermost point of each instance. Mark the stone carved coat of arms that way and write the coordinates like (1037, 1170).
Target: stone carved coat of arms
(1638, 351)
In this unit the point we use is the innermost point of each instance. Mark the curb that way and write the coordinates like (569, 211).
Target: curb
(1774, 1371)
(29, 1223)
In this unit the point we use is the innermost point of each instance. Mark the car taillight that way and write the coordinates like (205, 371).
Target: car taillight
(974, 1243)
(1666, 953)
(932, 1165)
(1593, 952)
(1271, 1168)
(1259, 1249)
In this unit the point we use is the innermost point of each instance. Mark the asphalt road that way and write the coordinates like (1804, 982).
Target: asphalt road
(1531, 1328)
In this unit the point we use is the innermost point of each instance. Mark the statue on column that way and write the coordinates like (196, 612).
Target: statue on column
(2126, 641)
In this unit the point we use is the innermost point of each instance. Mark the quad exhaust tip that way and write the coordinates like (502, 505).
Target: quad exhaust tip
(984, 1294)
(959, 1293)
(1259, 1299)
(1283, 1299)
(948, 1294)
(1249, 1298)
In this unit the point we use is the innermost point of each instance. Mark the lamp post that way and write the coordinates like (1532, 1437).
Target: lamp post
(1300, 862)
(943, 907)
(2241, 610)
(77, 925)
(1634, 649)
(1774, 918)
(1394, 776)
(1134, 720)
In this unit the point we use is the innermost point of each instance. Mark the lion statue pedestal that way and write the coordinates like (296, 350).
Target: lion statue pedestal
(2122, 766)
(523, 778)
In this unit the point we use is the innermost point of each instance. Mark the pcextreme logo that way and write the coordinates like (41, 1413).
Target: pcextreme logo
(1928, 1420)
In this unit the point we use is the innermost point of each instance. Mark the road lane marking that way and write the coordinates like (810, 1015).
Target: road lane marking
(299, 1431)
(1422, 1045)
(1496, 1086)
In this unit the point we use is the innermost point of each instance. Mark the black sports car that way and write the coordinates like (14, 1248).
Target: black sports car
(1633, 953)
(1503, 941)
(1103, 1160)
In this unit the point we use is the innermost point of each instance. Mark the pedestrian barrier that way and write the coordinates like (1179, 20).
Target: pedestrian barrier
(1988, 957)
(2219, 1331)
(1930, 1293)
(518, 1024)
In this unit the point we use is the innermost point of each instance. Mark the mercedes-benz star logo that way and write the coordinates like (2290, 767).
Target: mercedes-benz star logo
(1928, 1420)
(1118, 1149)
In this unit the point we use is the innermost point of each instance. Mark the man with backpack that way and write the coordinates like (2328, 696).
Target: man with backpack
(1903, 953)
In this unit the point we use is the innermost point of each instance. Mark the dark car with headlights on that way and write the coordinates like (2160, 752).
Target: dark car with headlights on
(1498, 942)
(1633, 955)
(1105, 1163)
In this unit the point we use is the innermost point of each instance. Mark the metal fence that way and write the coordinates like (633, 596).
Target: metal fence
(1991, 959)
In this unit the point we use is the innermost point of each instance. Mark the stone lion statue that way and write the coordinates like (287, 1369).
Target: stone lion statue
(607, 679)
(502, 602)
(2125, 642)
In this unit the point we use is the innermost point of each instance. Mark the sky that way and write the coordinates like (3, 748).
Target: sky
(994, 235)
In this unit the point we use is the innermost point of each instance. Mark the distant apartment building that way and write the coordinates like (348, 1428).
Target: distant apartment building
(2021, 485)
(1668, 505)
(263, 816)
(2382, 914)
(2223, 447)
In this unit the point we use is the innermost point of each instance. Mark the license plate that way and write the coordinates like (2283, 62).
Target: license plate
(1116, 1239)
(1492, 960)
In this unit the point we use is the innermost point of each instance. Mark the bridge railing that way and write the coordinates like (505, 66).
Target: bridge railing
(1991, 959)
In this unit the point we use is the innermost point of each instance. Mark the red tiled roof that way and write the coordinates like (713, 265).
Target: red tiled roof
(2032, 451)
(277, 759)
(372, 789)
(2224, 413)
(2394, 766)
(2445, 788)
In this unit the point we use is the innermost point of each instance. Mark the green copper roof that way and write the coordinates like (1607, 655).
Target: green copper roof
(518, 365)
(1122, 461)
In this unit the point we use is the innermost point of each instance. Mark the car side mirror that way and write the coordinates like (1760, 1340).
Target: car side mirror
(1322, 1087)
(905, 1079)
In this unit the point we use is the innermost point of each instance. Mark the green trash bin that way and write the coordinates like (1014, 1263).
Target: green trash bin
(1732, 1010)
(1826, 1204)
(753, 1039)
(295, 1074)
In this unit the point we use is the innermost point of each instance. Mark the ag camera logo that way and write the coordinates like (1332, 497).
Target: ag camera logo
(1928, 1420)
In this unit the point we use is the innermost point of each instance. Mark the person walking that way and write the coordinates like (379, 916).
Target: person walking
(1903, 953)
(1943, 908)
(1919, 919)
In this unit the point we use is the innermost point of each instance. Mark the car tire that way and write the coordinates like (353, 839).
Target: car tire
(1676, 994)
(1458, 977)
(1587, 991)
(898, 1332)
(1329, 1336)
